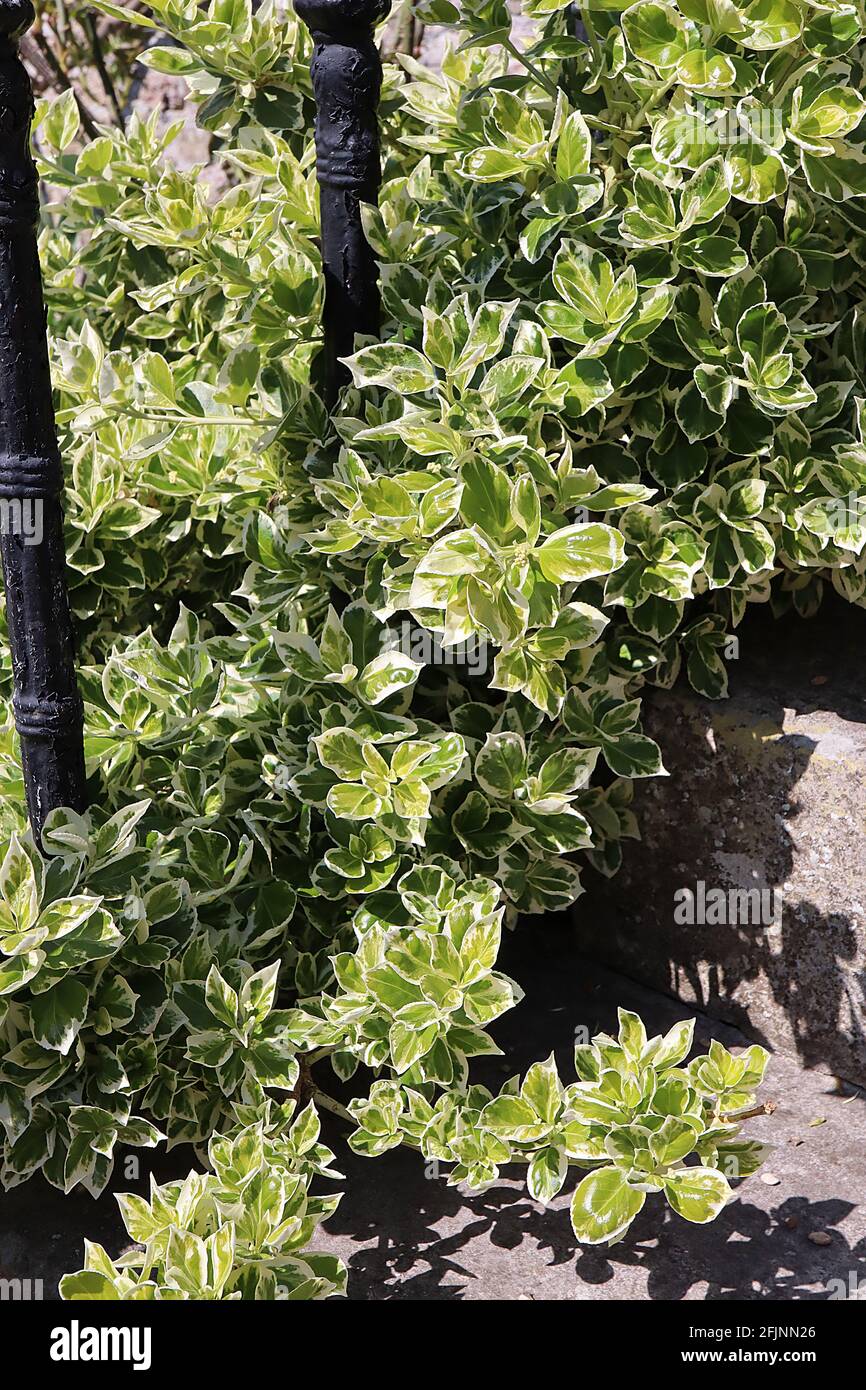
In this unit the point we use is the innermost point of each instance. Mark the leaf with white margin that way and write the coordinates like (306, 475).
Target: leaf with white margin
(393, 365)
(386, 674)
(546, 1174)
(604, 1206)
(579, 552)
(697, 1194)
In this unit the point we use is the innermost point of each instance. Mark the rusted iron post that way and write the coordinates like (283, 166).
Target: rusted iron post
(347, 78)
(47, 706)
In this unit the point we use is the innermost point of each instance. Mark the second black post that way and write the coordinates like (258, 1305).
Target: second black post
(347, 78)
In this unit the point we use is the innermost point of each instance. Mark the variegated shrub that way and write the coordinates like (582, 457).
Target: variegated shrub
(361, 691)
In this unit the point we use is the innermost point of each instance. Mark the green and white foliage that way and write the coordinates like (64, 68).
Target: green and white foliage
(238, 1231)
(618, 398)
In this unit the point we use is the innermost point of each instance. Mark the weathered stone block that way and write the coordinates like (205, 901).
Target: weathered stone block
(767, 792)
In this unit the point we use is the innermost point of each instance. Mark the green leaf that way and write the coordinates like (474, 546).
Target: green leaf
(501, 765)
(510, 1117)
(546, 1174)
(408, 1044)
(581, 552)
(634, 755)
(713, 255)
(837, 176)
(351, 801)
(604, 1206)
(656, 33)
(757, 173)
(61, 123)
(706, 194)
(342, 750)
(88, 1285)
(402, 369)
(507, 380)
(586, 383)
(486, 499)
(386, 674)
(674, 1046)
(574, 148)
(542, 1089)
(492, 165)
(58, 1015)
(221, 999)
(697, 1194)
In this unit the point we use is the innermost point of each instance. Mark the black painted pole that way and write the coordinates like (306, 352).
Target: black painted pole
(347, 78)
(574, 22)
(47, 706)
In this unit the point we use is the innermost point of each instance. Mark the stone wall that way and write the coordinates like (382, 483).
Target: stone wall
(767, 792)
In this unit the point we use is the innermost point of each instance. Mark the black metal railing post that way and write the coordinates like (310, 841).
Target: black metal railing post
(47, 706)
(347, 78)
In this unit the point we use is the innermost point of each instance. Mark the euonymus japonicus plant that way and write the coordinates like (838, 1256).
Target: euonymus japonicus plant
(360, 692)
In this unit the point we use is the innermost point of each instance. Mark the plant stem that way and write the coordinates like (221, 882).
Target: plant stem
(535, 73)
(767, 1108)
(60, 74)
(326, 1102)
(200, 421)
(102, 69)
(597, 54)
(407, 38)
(596, 123)
(651, 102)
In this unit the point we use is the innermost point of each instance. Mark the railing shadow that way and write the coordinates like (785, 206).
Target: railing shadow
(406, 1235)
(733, 814)
(425, 1241)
